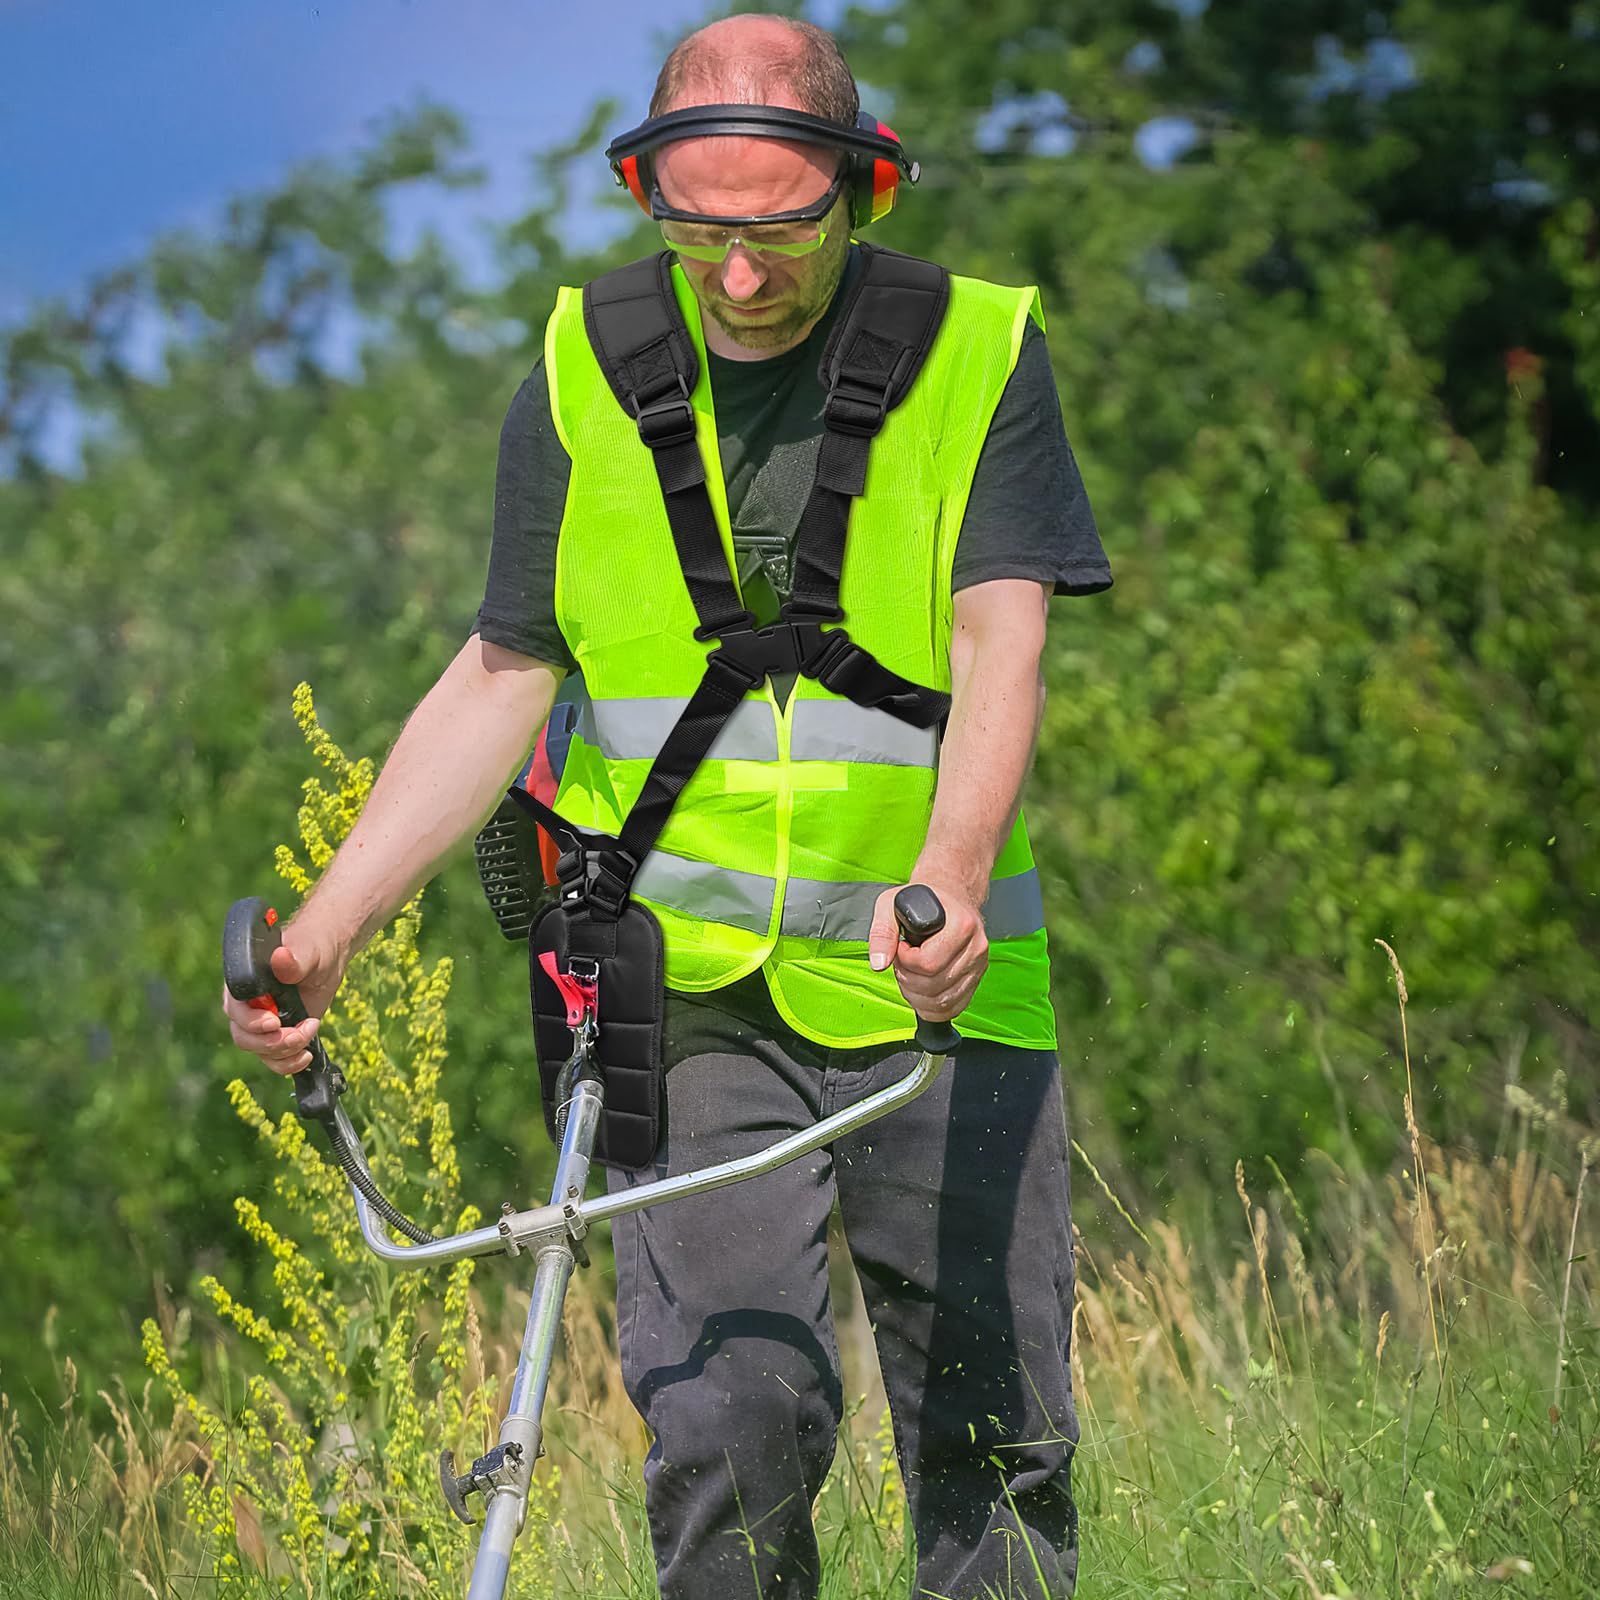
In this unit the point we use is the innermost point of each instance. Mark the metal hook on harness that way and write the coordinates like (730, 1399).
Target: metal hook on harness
(579, 987)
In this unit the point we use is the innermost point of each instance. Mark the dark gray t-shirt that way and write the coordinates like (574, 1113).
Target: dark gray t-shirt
(1027, 516)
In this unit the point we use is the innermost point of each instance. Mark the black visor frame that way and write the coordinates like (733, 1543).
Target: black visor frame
(757, 122)
(814, 212)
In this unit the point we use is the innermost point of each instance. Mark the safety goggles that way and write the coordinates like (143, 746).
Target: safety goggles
(785, 234)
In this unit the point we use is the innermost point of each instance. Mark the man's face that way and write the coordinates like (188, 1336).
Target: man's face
(761, 303)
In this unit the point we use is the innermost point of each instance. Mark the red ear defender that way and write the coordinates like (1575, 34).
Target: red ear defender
(877, 181)
(628, 170)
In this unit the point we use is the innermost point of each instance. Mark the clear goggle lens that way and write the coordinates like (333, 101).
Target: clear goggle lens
(786, 240)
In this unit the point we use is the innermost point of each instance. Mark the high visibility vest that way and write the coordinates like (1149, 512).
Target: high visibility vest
(802, 814)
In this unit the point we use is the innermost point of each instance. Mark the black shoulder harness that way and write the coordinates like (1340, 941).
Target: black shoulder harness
(882, 337)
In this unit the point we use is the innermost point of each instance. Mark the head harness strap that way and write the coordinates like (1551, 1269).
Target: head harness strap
(876, 159)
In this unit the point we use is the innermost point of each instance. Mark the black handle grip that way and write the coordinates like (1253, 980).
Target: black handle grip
(917, 910)
(249, 937)
(935, 1038)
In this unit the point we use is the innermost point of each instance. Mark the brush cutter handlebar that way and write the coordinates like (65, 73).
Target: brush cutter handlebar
(252, 934)
(920, 915)
(249, 937)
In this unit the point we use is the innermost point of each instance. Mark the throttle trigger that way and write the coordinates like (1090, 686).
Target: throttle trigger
(580, 994)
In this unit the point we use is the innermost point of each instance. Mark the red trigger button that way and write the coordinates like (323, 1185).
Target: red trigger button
(579, 997)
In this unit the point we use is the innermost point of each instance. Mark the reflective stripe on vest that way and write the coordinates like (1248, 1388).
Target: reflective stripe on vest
(814, 908)
(823, 730)
(714, 894)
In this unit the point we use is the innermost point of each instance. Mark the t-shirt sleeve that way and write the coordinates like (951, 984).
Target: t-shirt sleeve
(1028, 515)
(530, 497)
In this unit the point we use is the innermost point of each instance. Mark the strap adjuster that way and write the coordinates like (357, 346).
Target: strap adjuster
(827, 653)
(611, 875)
(571, 869)
(667, 420)
(856, 408)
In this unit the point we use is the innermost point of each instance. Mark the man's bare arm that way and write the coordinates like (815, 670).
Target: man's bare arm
(447, 769)
(997, 698)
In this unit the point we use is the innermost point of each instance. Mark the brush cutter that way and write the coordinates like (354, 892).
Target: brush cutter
(552, 1235)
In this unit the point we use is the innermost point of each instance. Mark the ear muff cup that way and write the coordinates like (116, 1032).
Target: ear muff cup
(874, 182)
(639, 178)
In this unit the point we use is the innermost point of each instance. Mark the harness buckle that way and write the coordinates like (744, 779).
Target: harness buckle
(795, 644)
(666, 420)
(611, 875)
(757, 653)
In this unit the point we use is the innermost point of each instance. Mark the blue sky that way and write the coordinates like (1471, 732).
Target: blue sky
(120, 119)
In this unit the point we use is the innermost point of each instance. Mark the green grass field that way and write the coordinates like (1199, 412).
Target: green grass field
(1328, 1411)
(1361, 1385)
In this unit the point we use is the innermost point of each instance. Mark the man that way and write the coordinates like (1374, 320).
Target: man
(956, 1208)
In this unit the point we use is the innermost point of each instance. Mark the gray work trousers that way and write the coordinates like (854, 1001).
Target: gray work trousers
(956, 1212)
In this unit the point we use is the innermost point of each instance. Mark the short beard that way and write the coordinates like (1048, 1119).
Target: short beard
(789, 329)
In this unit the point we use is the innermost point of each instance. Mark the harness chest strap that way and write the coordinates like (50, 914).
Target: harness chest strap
(639, 338)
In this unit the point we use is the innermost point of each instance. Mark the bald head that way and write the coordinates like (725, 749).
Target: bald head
(755, 305)
(759, 60)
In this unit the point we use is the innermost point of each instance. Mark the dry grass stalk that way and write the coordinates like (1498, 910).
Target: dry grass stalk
(1424, 1205)
(1566, 1285)
(1109, 1192)
(1177, 1289)
(1256, 1220)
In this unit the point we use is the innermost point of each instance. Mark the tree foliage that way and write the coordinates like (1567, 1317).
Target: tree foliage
(1345, 685)
(297, 486)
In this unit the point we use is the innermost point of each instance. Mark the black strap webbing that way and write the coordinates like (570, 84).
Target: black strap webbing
(878, 346)
(648, 357)
(696, 730)
(872, 357)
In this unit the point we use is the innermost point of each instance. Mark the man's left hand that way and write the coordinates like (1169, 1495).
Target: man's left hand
(936, 978)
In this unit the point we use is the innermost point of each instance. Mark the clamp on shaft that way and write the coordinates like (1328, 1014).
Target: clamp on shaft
(487, 1476)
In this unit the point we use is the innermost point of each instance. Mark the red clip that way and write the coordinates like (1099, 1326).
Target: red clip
(582, 995)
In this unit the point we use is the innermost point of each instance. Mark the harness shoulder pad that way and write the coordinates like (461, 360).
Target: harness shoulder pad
(882, 337)
(638, 334)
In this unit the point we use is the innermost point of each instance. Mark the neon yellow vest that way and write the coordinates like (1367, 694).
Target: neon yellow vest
(781, 842)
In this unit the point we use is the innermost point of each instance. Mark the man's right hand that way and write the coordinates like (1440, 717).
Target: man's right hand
(447, 769)
(316, 969)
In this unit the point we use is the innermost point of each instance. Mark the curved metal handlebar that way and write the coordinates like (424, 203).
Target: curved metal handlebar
(250, 936)
(554, 1224)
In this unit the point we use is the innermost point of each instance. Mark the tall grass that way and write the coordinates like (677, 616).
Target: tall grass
(1375, 1384)
(1267, 1407)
